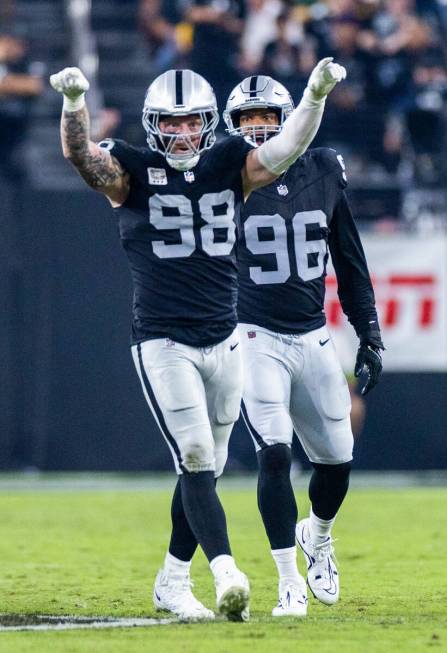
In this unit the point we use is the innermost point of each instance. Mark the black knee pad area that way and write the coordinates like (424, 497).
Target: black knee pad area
(334, 472)
(328, 487)
(276, 458)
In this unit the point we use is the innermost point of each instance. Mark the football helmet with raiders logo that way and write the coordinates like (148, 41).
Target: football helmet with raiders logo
(257, 92)
(180, 93)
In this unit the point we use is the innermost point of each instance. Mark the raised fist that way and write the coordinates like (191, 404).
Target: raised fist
(71, 82)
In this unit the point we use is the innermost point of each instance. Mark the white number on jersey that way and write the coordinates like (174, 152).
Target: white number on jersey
(276, 245)
(309, 253)
(174, 213)
(217, 209)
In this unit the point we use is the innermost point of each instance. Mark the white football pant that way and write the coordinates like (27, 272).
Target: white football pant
(194, 394)
(295, 383)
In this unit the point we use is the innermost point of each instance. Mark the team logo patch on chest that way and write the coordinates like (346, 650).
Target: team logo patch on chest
(157, 176)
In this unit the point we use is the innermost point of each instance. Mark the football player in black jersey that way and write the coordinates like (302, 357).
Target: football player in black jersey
(293, 379)
(175, 203)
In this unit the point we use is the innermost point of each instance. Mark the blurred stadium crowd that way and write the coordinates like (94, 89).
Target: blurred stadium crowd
(388, 118)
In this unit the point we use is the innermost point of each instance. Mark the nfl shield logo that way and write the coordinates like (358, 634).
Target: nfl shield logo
(251, 334)
(189, 176)
(282, 189)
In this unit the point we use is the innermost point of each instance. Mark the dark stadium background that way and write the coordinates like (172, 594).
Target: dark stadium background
(69, 396)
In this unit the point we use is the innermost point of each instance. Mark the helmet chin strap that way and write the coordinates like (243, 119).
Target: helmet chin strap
(183, 164)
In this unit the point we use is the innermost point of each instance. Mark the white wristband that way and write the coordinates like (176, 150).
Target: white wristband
(311, 99)
(73, 104)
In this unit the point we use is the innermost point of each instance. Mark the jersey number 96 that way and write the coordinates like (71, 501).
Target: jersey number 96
(308, 249)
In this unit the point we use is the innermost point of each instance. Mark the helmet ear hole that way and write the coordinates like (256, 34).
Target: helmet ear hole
(279, 114)
(236, 118)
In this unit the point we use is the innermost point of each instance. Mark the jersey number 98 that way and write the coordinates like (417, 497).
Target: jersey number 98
(174, 215)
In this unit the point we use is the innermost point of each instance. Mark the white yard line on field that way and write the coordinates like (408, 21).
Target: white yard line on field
(51, 622)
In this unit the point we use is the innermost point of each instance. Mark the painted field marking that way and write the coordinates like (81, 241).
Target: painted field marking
(54, 622)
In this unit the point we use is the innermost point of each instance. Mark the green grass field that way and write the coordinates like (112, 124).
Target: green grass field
(97, 552)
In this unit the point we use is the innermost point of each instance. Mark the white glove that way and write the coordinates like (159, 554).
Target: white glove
(73, 84)
(324, 77)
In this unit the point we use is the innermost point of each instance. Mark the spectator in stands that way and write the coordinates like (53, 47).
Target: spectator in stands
(289, 57)
(168, 36)
(397, 34)
(18, 87)
(350, 120)
(397, 38)
(320, 17)
(425, 120)
(345, 30)
(260, 28)
(218, 25)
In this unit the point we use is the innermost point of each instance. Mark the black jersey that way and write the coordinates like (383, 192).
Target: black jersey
(178, 231)
(286, 232)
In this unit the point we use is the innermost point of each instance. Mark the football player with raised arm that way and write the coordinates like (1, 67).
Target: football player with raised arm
(293, 379)
(175, 203)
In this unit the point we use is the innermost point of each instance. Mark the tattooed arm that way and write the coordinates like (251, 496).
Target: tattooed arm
(96, 166)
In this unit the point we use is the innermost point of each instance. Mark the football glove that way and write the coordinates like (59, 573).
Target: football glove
(369, 360)
(324, 77)
(72, 83)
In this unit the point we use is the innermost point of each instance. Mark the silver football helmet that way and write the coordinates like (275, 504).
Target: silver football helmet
(180, 93)
(257, 91)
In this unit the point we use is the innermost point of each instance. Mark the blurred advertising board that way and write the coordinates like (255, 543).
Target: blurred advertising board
(409, 274)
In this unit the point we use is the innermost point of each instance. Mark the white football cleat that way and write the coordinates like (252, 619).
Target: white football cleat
(173, 594)
(322, 574)
(292, 600)
(232, 595)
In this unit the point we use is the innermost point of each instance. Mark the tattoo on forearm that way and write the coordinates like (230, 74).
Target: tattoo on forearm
(97, 168)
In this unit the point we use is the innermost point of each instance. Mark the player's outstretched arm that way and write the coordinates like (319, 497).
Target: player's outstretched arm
(273, 157)
(96, 165)
(355, 290)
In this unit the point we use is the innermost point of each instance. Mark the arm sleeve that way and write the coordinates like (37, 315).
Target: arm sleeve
(354, 283)
(278, 153)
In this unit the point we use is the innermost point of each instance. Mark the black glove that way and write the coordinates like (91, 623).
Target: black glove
(368, 357)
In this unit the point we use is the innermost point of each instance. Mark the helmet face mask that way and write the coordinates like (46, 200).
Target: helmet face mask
(180, 93)
(165, 142)
(257, 92)
(257, 132)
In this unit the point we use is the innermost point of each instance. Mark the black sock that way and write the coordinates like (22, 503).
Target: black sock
(205, 513)
(183, 542)
(327, 488)
(276, 499)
